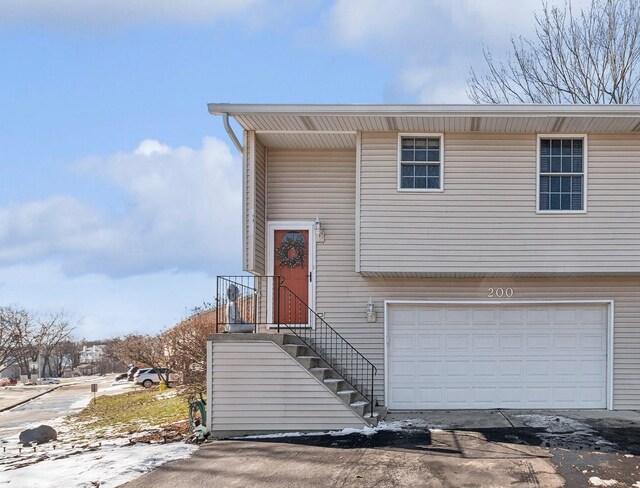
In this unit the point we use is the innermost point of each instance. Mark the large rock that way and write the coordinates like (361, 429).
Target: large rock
(39, 435)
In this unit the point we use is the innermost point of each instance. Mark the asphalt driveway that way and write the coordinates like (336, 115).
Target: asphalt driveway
(430, 449)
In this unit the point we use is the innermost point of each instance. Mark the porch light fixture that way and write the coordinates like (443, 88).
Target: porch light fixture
(371, 311)
(319, 230)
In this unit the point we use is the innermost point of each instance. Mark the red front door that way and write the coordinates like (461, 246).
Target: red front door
(291, 262)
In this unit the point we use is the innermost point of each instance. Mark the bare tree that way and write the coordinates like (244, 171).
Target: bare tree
(24, 337)
(146, 350)
(187, 345)
(51, 331)
(7, 337)
(590, 57)
(66, 354)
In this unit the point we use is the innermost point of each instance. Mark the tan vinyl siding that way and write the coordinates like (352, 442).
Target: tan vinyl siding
(305, 183)
(254, 165)
(260, 208)
(247, 237)
(257, 387)
(485, 221)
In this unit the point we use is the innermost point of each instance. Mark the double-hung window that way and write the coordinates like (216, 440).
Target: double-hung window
(420, 162)
(562, 174)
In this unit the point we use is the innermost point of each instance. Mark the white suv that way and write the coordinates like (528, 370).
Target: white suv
(147, 377)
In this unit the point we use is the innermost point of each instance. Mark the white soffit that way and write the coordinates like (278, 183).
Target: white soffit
(308, 140)
(334, 126)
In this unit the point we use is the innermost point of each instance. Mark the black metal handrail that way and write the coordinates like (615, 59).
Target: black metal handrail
(252, 294)
(329, 345)
(246, 299)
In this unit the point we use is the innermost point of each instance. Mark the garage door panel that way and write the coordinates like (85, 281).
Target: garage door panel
(457, 343)
(463, 356)
(430, 368)
(484, 342)
(565, 342)
(487, 369)
(484, 317)
(591, 368)
(538, 368)
(596, 342)
(511, 343)
(430, 342)
(404, 341)
(430, 316)
(401, 316)
(429, 397)
(459, 318)
(593, 316)
(401, 369)
(510, 368)
(538, 343)
(592, 394)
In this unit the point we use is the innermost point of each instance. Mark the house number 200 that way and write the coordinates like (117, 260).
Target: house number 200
(500, 292)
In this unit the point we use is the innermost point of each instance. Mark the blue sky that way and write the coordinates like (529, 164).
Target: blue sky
(119, 193)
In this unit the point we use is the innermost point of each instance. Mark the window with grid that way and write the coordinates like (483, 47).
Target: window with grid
(421, 163)
(561, 174)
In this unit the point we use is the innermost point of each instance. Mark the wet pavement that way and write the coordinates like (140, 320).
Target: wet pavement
(408, 456)
(601, 449)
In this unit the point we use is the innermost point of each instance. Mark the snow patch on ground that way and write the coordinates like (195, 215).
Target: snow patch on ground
(396, 426)
(112, 464)
(83, 459)
(564, 429)
(118, 387)
(169, 394)
(595, 481)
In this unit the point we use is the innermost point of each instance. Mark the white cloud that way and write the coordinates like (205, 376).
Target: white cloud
(99, 13)
(106, 307)
(183, 213)
(434, 42)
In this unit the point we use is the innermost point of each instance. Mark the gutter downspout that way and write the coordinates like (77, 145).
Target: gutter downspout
(232, 135)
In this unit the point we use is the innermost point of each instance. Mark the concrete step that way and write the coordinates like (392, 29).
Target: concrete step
(335, 384)
(360, 407)
(309, 362)
(321, 373)
(380, 411)
(294, 350)
(372, 419)
(291, 339)
(347, 396)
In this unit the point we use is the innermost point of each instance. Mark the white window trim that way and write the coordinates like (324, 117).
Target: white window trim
(441, 162)
(585, 157)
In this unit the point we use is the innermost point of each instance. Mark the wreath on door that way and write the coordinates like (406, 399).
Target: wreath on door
(291, 251)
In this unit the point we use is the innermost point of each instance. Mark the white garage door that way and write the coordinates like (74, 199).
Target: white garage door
(497, 356)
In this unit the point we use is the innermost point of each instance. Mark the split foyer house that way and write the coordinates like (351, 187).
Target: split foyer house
(420, 257)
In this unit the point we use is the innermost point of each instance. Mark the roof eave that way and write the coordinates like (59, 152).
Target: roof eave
(456, 110)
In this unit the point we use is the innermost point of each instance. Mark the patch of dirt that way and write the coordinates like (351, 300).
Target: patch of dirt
(176, 431)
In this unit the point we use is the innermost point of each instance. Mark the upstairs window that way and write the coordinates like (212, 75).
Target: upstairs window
(561, 173)
(420, 163)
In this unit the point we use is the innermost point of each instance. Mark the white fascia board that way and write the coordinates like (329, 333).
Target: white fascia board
(526, 110)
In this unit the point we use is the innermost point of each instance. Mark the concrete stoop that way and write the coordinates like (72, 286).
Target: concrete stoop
(335, 383)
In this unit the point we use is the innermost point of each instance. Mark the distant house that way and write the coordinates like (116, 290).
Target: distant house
(433, 257)
(10, 369)
(91, 354)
